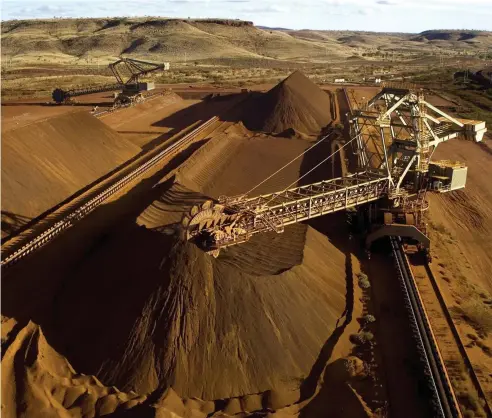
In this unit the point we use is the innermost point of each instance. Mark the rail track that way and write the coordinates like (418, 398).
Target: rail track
(452, 350)
(26, 243)
(443, 398)
(444, 357)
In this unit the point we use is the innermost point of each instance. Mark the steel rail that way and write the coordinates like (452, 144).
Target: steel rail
(459, 343)
(82, 211)
(444, 401)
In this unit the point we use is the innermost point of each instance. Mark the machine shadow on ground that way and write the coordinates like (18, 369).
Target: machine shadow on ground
(203, 110)
(194, 114)
(12, 222)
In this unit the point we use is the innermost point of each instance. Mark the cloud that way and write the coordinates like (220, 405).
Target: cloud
(264, 8)
(399, 15)
(386, 2)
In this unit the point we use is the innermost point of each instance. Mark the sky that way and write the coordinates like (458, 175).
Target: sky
(367, 15)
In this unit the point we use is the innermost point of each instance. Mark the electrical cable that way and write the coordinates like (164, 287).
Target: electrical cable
(289, 163)
(310, 171)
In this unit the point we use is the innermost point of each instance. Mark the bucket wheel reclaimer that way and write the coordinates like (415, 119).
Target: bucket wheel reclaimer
(208, 224)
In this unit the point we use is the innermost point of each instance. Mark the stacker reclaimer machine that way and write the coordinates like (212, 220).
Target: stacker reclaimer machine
(393, 137)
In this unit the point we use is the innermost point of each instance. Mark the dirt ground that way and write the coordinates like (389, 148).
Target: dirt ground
(140, 124)
(461, 223)
(133, 356)
(64, 148)
(133, 318)
(18, 114)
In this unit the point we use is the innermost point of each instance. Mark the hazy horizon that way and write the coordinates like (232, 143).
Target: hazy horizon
(401, 16)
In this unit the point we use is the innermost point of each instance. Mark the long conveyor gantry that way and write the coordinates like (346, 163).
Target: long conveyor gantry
(235, 220)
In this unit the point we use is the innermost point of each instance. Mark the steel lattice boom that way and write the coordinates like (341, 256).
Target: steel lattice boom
(60, 96)
(133, 69)
(235, 220)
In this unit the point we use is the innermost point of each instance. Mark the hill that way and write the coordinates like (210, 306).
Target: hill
(455, 38)
(78, 41)
(252, 320)
(170, 39)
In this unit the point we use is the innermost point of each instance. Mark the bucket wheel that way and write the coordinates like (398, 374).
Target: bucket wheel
(202, 218)
(209, 225)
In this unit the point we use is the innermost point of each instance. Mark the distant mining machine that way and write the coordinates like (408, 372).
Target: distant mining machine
(393, 137)
(127, 73)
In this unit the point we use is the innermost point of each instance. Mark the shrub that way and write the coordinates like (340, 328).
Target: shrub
(470, 401)
(361, 337)
(355, 339)
(364, 282)
(368, 319)
(477, 314)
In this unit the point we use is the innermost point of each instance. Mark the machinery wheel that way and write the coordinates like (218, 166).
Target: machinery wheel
(208, 226)
(59, 96)
(121, 100)
(200, 217)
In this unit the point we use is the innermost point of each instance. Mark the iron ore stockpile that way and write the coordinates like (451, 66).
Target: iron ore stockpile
(295, 103)
(136, 320)
(47, 161)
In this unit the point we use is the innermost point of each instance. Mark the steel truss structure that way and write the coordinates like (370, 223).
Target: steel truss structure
(126, 71)
(132, 69)
(397, 132)
(236, 219)
(395, 135)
